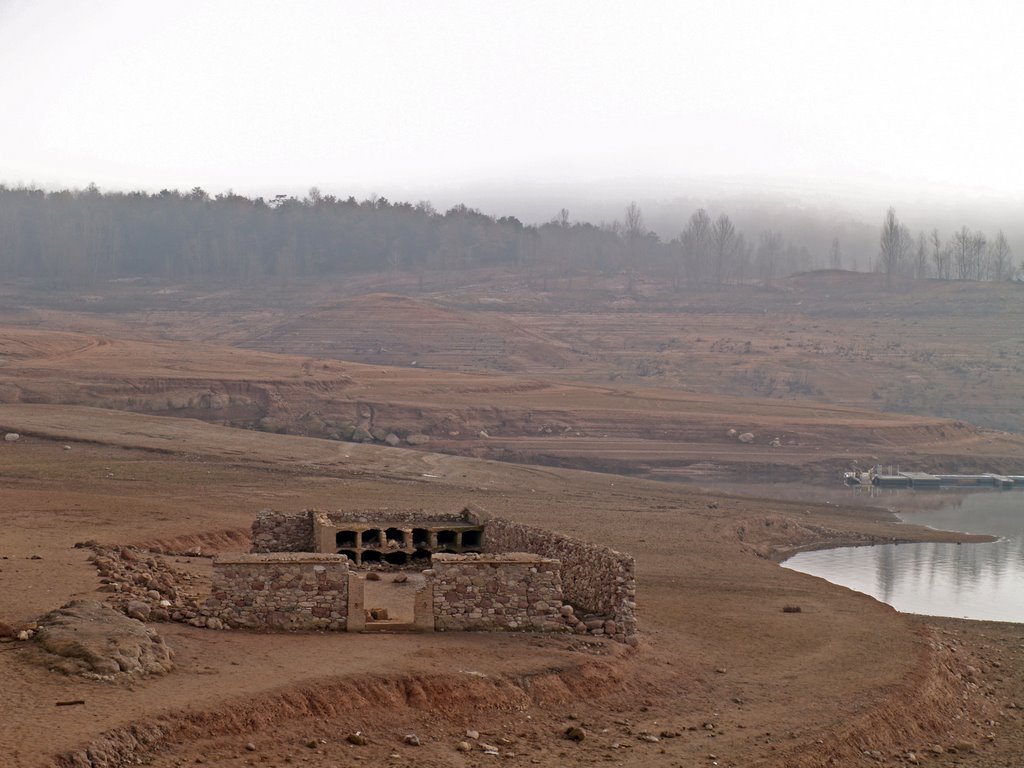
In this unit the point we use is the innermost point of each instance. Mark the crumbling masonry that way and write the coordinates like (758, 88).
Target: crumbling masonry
(482, 573)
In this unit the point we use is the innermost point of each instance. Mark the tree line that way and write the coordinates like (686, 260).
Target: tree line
(71, 237)
(966, 255)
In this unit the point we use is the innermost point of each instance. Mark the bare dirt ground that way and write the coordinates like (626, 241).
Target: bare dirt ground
(721, 663)
(147, 387)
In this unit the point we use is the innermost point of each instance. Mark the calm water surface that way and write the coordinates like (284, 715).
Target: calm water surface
(972, 581)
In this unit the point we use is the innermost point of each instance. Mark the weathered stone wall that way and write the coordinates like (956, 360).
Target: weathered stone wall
(506, 592)
(282, 531)
(374, 516)
(294, 592)
(597, 581)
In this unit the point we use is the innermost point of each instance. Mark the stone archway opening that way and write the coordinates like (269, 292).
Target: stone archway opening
(351, 554)
(345, 539)
(396, 558)
(372, 556)
(371, 538)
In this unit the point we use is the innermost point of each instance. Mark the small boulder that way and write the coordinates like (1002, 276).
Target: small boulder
(746, 437)
(392, 439)
(12, 437)
(137, 609)
(357, 738)
(418, 439)
(412, 740)
(575, 733)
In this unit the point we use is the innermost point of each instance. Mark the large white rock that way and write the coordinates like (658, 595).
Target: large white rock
(12, 437)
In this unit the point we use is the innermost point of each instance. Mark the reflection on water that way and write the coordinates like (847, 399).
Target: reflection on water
(973, 581)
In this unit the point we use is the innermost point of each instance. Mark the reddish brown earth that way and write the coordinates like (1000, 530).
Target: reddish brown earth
(723, 675)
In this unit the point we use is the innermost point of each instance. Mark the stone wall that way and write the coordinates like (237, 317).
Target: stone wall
(282, 532)
(598, 582)
(506, 592)
(292, 592)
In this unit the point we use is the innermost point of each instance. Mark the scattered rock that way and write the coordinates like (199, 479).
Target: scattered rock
(575, 733)
(358, 739)
(373, 576)
(6, 630)
(649, 737)
(412, 740)
(482, 434)
(472, 734)
(392, 439)
(251, 747)
(746, 437)
(791, 609)
(379, 614)
(418, 439)
(730, 433)
(137, 609)
(463, 746)
(12, 437)
(401, 578)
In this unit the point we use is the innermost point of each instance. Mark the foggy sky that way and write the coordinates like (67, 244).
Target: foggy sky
(852, 101)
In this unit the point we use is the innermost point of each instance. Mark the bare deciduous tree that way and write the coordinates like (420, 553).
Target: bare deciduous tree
(893, 246)
(1000, 258)
(723, 247)
(968, 251)
(921, 257)
(940, 256)
(696, 246)
(835, 257)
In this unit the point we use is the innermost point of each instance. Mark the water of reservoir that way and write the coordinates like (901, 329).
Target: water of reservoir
(971, 581)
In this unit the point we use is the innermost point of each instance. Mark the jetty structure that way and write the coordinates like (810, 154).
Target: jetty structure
(883, 477)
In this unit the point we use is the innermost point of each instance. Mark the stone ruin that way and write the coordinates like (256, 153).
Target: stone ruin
(308, 571)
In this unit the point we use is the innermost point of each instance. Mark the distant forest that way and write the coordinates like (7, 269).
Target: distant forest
(73, 237)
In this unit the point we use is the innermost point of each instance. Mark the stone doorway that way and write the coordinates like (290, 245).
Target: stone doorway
(405, 605)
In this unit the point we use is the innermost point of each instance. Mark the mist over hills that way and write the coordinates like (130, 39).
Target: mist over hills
(639, 227)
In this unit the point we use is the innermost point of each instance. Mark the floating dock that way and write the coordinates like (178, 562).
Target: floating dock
(923, 480)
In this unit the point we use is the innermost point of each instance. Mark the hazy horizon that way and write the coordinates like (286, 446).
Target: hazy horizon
(579, 105)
